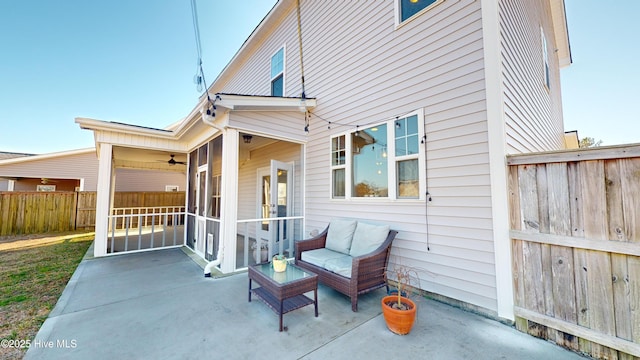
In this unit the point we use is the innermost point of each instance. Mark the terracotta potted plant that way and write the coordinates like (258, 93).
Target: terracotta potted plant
(398, 310)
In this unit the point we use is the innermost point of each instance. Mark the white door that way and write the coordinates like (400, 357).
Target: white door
(201, 223)
(276, 189)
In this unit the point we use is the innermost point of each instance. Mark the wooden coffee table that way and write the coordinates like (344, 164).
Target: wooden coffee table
(284, 292)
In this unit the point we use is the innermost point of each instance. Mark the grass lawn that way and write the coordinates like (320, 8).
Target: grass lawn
(33, 273)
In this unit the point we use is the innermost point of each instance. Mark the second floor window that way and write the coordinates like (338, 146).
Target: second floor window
(545, 60)
(277, 73)
(408, 8)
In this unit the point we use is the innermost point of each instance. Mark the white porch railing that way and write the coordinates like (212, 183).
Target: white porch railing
(145, 228)
(260, 239)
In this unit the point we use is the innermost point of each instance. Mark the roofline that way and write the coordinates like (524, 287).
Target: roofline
(561, 32)
(233, 102)
(16, 153)
(47, 156)
(93, 124)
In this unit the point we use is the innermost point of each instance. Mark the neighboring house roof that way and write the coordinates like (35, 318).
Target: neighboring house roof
(31, 157)
(11, 155)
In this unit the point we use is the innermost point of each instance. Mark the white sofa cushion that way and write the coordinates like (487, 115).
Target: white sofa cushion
(340, 235)
(367, 238)
(340, 266)
(319, 257)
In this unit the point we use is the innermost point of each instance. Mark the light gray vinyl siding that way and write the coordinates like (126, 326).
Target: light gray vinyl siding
(533, 112)
(362, 70)
(148, 180)
(289, 125)
(433, 64)
(74, 166)
(85, 166)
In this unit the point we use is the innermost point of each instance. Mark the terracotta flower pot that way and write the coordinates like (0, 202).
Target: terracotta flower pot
(398, 321)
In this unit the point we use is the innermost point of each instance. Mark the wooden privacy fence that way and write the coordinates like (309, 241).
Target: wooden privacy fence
(575, 230)
(36, 212)
(42, 212)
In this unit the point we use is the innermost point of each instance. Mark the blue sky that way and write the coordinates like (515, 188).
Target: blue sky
(134, 62)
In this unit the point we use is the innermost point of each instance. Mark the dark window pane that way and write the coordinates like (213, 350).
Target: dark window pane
(412, 124)
(412, 7)
(277, 85)
(401, 147)
(202, 155)
(412, 144)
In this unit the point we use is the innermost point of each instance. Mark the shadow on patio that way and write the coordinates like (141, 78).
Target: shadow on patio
(158, 305)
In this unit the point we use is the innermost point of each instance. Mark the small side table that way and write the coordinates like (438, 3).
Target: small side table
(284, 291)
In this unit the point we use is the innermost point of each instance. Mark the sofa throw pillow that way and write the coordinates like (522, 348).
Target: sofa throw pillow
(340, 234)
(367, 238)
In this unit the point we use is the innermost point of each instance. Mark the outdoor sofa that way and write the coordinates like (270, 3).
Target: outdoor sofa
(349, 256)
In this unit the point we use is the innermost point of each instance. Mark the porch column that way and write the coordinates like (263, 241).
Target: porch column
(229, 202)
(103, 199)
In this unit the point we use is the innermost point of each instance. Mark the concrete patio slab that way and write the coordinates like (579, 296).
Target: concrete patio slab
(158, 305)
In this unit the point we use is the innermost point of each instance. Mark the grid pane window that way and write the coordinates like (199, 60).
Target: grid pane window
(386, 160)
(407, 138)
(338, 161)
(338, 150)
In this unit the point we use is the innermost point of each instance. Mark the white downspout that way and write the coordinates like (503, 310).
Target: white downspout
(212, 264)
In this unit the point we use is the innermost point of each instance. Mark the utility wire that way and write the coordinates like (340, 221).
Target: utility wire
(199, 77)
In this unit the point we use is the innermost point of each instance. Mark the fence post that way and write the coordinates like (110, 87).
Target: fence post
(74, 219)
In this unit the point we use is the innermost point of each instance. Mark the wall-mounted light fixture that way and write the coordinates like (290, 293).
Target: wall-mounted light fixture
(247, 138)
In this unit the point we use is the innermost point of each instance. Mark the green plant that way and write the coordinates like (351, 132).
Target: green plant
(279, 257)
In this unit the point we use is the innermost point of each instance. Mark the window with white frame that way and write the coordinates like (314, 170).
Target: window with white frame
(338, 166)
(277, 73)
(385, 161)
(407, 144)
(545, 59)
(408, 8)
